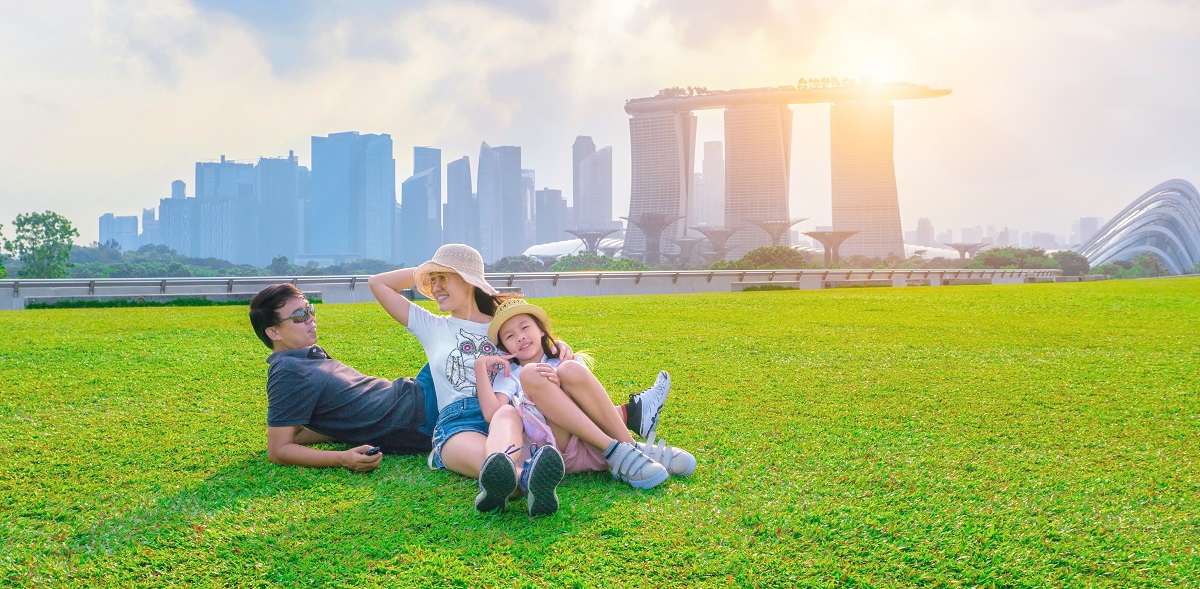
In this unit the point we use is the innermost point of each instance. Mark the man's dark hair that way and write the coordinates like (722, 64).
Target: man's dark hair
(265, 306)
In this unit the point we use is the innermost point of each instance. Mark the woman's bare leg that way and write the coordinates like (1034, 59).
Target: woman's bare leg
(465, 452)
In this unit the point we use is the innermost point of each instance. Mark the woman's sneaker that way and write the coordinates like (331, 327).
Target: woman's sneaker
(497, 480)
(630, 465)
(540, 478)
(644, 408)
(678, 462)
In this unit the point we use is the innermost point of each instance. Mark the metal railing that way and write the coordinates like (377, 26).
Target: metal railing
(338, 289)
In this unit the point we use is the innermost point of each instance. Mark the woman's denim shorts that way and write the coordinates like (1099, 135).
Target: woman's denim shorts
(460, 416)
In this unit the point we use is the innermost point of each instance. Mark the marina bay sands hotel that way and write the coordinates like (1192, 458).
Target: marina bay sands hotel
(758, 140)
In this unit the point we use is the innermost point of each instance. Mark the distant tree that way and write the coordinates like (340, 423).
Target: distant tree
(367, 266)
(1012, 258)
(1073, 263)
(941, 263)
(517, 264)
(43, 243)
(581, 262)
(627, 265)
(109, 251)
(772, 257)
(280, 267)
(3, 272)
(1151, 265)
(156, 249)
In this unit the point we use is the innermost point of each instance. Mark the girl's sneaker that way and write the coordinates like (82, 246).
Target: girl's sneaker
(644, 408)
(630, 465)
(497, 480)
(678, 462)
(539, 480)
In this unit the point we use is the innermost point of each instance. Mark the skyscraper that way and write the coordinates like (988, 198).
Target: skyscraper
(864, 177)
(580, 150)
(712, 206)
(420, 214)
(757, 171)
(663, 148)
(179, 221)
(1083, 230)
(121, 230)
(925, 232)
(461, 221)
(150, 234)
(282, 228)
(421, 208)
(551, 211)
(594, 200)
(503, 202)
(529, 204)
(227, 202)
(353, 195)
(490, 188)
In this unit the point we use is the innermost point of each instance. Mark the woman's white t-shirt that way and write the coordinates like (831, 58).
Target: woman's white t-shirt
(451, 346)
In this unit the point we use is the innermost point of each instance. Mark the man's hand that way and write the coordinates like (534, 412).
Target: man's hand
(356, 459)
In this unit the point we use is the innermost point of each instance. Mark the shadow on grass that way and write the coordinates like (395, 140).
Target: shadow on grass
(288, 524)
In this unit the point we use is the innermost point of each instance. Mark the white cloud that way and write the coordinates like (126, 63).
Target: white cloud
(1058, 111)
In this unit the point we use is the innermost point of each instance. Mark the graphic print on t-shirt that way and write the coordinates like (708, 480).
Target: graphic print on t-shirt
(460, 366)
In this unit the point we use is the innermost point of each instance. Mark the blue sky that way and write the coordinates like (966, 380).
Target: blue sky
(1059, 110)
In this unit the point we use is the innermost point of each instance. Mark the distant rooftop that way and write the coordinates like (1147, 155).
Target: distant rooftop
(807, 91)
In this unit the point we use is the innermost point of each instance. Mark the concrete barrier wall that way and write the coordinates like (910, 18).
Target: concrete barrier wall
(354, 289)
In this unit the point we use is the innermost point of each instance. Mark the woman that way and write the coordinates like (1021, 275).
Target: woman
(463, 441)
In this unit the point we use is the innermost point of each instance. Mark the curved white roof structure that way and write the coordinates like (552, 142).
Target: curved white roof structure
(1165, 222)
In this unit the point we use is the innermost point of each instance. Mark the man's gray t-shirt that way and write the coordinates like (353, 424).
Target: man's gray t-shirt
(307, 387)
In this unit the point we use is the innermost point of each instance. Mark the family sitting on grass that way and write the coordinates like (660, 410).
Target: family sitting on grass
(500, 400)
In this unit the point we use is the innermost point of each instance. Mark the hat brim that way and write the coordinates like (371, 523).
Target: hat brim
(424, 285)
(512, 311)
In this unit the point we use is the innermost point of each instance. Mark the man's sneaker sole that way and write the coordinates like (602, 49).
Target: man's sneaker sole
(546, 470)
(497, 480)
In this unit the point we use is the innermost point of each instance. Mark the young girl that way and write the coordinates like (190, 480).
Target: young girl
(575, 413)
(463, 440)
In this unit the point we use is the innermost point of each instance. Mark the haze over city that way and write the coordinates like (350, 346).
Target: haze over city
(1056, 113)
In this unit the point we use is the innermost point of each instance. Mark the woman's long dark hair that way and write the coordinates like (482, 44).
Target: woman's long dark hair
(488, 303)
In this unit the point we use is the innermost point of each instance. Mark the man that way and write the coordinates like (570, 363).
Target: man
(312, 398)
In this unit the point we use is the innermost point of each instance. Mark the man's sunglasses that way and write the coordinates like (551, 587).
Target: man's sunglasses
(301, 315)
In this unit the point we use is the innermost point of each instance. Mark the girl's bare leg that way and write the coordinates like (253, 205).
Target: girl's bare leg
(563, 415)
(582, 387)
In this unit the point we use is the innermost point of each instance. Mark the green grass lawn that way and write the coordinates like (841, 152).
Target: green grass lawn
(1027, 436)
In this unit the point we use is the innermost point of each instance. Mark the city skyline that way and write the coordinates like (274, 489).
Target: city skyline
(115, 101)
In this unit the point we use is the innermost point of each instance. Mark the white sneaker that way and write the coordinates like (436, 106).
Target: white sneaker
(678, 462)
(630, 465)
(648, 405)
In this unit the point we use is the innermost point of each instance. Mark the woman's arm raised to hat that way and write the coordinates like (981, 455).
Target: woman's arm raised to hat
(385, 287)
